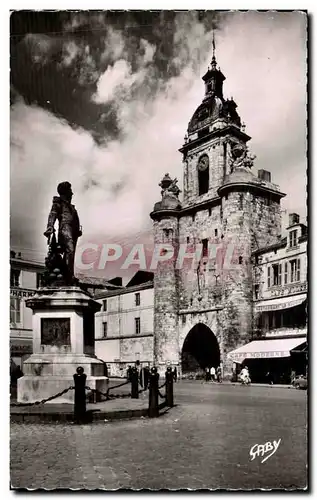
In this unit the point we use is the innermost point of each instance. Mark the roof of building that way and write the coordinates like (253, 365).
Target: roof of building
(121, 291)
(94, 281)
(274, 246)
(20, 262)
(140, 278)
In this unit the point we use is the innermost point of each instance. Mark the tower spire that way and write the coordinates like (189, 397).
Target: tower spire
(213, 60)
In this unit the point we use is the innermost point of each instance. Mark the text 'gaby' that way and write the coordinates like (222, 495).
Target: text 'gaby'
(260, 450)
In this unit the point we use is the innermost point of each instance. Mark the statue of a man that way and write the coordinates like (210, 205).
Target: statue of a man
(69, 228)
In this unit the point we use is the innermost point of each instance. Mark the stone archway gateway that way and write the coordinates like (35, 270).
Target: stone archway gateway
(200, 349)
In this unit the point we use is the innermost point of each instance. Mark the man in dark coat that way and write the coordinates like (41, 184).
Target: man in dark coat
(69, 229)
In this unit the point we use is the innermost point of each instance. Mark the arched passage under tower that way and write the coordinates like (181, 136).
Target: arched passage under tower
(200, 349)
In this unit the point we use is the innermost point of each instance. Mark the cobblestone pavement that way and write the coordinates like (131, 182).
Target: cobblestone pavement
(203, 442)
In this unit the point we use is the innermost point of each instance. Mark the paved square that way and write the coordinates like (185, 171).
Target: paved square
(204, 442)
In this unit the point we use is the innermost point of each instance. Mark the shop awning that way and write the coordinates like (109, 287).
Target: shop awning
(303, 348)
(280, 303)
(273, 348)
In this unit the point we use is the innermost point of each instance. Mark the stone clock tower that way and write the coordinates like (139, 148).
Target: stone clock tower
(203, 303)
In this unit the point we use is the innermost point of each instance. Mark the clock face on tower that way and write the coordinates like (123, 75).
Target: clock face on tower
(203, 163)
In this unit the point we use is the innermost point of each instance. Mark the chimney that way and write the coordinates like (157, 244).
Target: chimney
(12, 254)
(293, 219)
(264, 175)
(116, 281)
(19, 255)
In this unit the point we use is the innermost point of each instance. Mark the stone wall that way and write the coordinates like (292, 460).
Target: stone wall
(166, 297)
(127, 350)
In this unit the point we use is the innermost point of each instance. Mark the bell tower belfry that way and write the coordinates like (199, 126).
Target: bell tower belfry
(213, 128)
(226, 212)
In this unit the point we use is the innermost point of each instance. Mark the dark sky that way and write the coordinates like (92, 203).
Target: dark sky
(38, 72)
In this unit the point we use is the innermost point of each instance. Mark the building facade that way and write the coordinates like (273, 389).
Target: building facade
(204, 311)
(124, 326)
(280, 282)
(25, 278)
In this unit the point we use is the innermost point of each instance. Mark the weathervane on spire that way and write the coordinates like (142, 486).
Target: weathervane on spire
(213, 43)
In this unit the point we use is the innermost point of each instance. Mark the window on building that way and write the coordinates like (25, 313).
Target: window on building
(205, 247)
(15, 310)
(105, 305)
(285, 273)
(209, 211)
(256, 291)
(203, 175)
(105, 329)
(216, 233)
(277, 274)
(278, 320)
(137, 299)
(298, 269)
(293, 238)
(137, 325)
(295, 270)
(15, 277)
(268, 276)
(240, 259)
(39, 280)
(271, 320)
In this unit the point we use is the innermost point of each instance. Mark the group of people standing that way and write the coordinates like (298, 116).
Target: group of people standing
(213, 374)
(144, 374)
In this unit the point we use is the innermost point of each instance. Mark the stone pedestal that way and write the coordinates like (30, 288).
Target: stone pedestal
(63, 340)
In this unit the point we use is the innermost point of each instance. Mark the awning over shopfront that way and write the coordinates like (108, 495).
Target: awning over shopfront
(275, 348)
(280, 303)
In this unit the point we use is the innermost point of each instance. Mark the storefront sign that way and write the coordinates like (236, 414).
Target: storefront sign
(20, 293)
(20, 349)
(289, 290)
(279, 305)
(261, 355)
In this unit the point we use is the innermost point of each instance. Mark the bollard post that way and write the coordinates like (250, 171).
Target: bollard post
(80, 396)
(154, 393)
(134, 383)
(169, 376)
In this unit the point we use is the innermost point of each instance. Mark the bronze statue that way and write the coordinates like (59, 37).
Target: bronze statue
(61, 255)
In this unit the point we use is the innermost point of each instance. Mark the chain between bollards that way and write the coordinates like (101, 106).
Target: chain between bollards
(44, 400)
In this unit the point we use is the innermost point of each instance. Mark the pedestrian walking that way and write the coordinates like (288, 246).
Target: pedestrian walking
(269, 378)
(207, 373)
(175, 374)
(213, 374)
(129, 370)
(219, 374)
